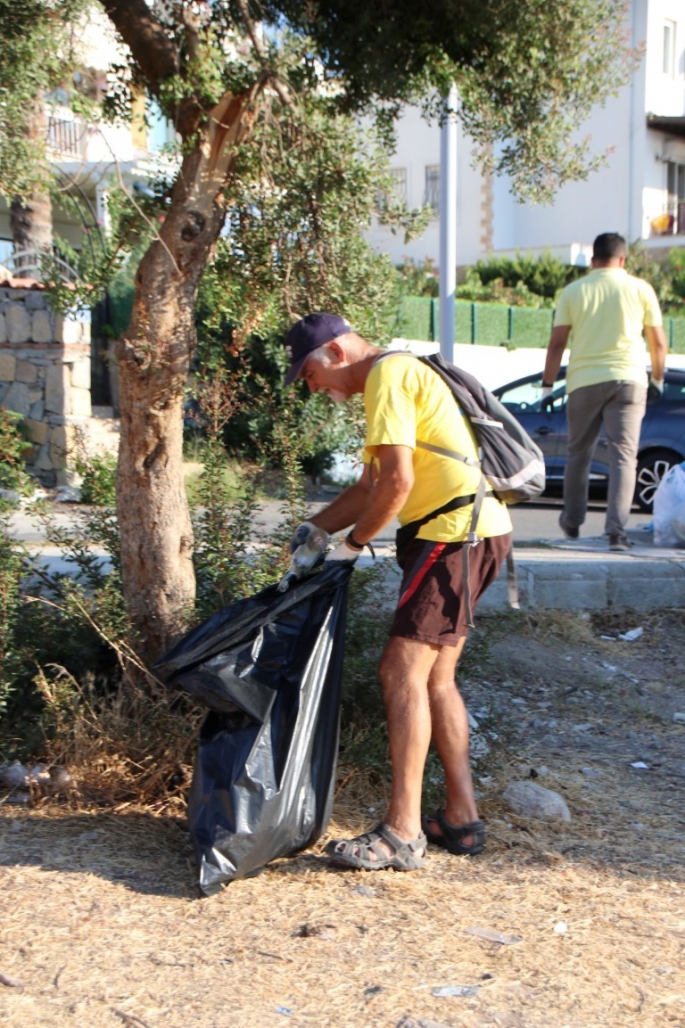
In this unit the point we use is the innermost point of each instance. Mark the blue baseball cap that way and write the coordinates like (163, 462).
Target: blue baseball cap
(309, 334)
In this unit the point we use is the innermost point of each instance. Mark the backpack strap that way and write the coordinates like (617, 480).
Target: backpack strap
(472, 539)
(473, 462)
(407, 532)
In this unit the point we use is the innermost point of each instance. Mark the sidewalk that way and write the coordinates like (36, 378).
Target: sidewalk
(552, 574)
(583, 575)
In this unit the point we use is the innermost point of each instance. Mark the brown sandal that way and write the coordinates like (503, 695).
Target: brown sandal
(452, 835)
(367, 851)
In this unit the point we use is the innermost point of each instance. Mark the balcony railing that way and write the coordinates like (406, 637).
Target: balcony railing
(670, 221)
(65, 135)
(40, 265)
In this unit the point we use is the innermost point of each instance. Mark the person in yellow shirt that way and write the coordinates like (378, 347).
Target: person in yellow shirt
(601, 318)
(407, 404)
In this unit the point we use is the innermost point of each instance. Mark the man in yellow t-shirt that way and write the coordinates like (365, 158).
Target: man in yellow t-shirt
(602, 317)
(407, 404)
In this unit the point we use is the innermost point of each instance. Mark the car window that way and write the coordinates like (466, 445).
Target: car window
(526, 396)
(674, 391)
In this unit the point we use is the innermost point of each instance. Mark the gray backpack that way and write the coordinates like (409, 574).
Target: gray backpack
(512, 465)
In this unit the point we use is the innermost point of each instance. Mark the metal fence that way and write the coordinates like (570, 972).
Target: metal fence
(492, 324)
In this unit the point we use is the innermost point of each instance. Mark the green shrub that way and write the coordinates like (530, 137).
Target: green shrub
(99, 474)
(542, 276)
(13, 477)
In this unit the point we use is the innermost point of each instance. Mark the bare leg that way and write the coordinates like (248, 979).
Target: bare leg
(421, 699)
(451, 739)
(404, 670)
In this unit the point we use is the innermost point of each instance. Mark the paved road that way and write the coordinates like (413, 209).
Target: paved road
(537, 522)
(533, 522)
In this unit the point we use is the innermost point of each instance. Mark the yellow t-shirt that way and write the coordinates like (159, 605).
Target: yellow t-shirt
(406, 401)
(607, 310)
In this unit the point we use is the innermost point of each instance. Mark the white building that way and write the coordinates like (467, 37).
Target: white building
(88, 159)
(639, 193)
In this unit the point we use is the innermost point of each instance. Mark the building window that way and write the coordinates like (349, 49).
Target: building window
(432, 198)
(675, 186)
(399, 185)
(395, 194)
(668, 62)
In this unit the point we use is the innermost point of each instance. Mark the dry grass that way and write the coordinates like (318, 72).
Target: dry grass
(101, 925)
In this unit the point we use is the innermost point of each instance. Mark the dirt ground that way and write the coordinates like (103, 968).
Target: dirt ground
(576, 925)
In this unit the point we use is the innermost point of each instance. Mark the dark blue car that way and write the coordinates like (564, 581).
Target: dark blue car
(662, 438)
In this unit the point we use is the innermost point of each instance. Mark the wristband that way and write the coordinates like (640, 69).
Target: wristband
(547, 385)
(352, 542)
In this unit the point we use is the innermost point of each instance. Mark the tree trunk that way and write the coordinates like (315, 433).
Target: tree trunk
(154, 361)
(31, 216)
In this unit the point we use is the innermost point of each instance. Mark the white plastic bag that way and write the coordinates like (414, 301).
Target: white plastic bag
(669, 508)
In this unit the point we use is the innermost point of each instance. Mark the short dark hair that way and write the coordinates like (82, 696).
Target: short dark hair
(608, 246)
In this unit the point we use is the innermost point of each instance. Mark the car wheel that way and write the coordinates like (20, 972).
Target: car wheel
(651, 468)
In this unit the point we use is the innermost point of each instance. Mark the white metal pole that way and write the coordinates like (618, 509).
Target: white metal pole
(448, 224)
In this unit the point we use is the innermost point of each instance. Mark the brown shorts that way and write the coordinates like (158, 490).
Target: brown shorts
(431, 606)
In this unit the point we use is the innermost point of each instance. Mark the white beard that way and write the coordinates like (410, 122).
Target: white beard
(336, 396)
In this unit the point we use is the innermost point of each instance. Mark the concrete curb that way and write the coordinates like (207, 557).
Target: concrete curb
(556, 575)
(580, 576)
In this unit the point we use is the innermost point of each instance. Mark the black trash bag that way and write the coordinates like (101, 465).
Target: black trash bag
(270, 669)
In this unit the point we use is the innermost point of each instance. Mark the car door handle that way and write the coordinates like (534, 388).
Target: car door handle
(544, 430)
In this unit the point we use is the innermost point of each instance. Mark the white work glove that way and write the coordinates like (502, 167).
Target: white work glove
(343, 552)
(546, 391)
(655, 390)
(307, 545)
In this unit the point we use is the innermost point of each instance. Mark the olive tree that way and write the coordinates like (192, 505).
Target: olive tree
(528, 71)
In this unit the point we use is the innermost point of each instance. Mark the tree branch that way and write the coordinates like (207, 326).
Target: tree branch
(153, 51)
(261, 54)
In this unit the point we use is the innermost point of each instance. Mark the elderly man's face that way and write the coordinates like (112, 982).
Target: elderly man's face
(325, 376)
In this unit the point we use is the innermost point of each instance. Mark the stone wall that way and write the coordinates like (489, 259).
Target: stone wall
(45, 377)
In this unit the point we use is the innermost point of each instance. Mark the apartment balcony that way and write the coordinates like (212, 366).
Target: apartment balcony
(669, 221)
(76, 145)
(67, 137)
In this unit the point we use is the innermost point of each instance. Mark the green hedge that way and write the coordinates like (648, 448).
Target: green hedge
(490, 324)
(494, 324)
(675, 333)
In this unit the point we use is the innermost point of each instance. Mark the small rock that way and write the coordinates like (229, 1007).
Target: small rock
(561, 928)
(634, 633)
(13, 776)
(679, 718)
(60, 780)
(590, 772)
(365, 890)
(455, 990)
(68, 494)
(530, 800)
(410, 1022)
(19, 797)
(10, 983)
(478, 746)
(310, 931)
(491, 935)
(87, 836)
